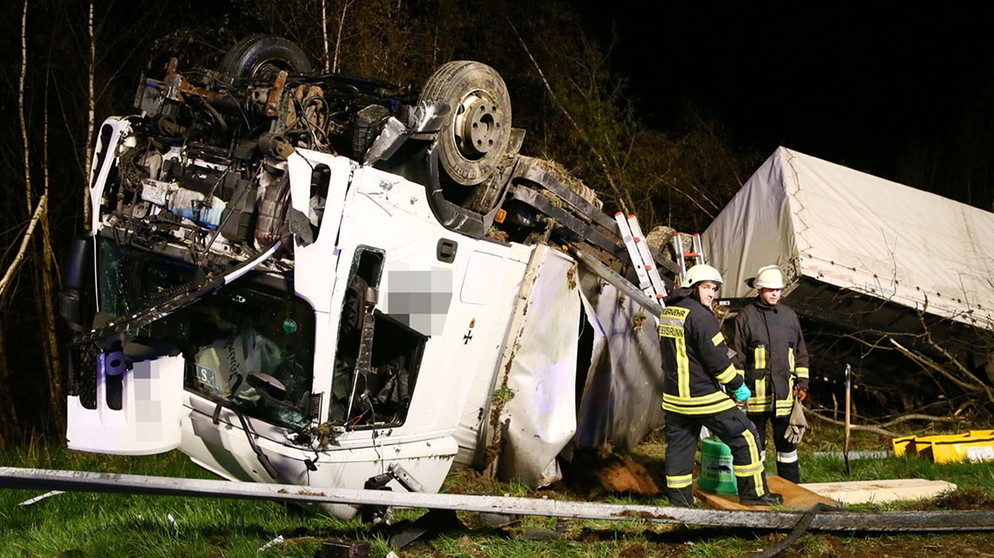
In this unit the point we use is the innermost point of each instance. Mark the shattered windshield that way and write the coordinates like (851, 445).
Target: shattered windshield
(249, 346)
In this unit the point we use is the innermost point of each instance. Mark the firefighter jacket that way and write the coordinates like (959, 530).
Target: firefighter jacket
(695, 358)
(769, 349)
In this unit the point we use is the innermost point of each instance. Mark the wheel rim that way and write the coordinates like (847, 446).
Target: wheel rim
(477, 127)
(270, 68)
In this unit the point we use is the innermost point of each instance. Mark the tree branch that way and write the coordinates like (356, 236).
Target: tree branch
(576, 126)
(19, 258)
(880, 429)
(928, 363)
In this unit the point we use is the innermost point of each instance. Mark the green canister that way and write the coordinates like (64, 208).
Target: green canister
(717, 473)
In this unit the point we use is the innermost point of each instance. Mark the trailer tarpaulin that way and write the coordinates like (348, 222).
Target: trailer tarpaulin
(837, 226)
(622, 395)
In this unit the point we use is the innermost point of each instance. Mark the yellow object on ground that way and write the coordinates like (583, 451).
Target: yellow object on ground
(975, 445)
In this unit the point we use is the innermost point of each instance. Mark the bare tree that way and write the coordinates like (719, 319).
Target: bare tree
(623, 201)
(324, 32)
(90, 119)
(20, 107)
(43, 284)
(10, 427)
(46, 302)
(338, 37)
(936, 368)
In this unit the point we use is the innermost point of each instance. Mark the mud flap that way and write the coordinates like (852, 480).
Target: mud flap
(137, 410)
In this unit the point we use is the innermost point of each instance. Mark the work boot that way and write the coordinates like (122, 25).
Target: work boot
(679, 504)
(768, 499)
(680, 500)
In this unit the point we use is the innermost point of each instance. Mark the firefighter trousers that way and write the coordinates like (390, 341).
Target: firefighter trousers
(787, 466)
(734, 429)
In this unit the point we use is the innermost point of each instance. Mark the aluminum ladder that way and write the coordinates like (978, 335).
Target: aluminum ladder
(696, 253)
(650, 281)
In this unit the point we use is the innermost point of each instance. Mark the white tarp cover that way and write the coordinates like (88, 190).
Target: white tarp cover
(856, 231)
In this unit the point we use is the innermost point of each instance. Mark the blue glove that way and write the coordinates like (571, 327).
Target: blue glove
(742, 393)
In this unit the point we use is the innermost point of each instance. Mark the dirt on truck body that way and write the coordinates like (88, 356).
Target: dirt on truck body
(321, 280)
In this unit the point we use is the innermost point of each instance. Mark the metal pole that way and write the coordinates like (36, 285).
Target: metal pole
(845, 446)
(959, 520)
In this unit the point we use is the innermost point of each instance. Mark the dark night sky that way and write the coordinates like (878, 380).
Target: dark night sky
(850, 85)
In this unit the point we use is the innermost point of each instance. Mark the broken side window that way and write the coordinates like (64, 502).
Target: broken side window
(248, 346)
(377, 357)
(251, 349)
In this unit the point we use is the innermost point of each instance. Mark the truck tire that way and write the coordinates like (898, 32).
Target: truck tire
(264, 56)
(476, 134)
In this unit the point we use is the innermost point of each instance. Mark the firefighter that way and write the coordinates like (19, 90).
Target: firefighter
(696, 365)
(770, 349)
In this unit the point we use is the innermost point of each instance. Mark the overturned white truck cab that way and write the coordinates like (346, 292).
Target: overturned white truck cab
(317, 280)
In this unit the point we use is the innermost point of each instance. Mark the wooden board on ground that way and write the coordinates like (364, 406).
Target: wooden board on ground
(880, 491)
(794, 497)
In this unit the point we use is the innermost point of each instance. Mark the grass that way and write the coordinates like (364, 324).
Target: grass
(82, 524)
(78, 524)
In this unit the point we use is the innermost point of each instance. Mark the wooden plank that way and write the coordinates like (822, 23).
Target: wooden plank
(880, 491)
(795, 496)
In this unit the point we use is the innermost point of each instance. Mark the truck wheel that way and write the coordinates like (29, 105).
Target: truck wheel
(264, 56)
(476, 134)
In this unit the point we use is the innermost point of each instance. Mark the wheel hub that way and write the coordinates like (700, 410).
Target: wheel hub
(477, 125)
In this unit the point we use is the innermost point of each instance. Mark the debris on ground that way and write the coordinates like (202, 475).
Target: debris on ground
(603, 471)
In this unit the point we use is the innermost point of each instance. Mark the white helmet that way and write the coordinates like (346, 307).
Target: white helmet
(768, 277)
(699, 273)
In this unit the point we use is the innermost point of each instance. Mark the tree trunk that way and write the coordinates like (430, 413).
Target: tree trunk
(20, 106)
(338, 39)
(50, 342)
(90, 123)
(324, 34)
